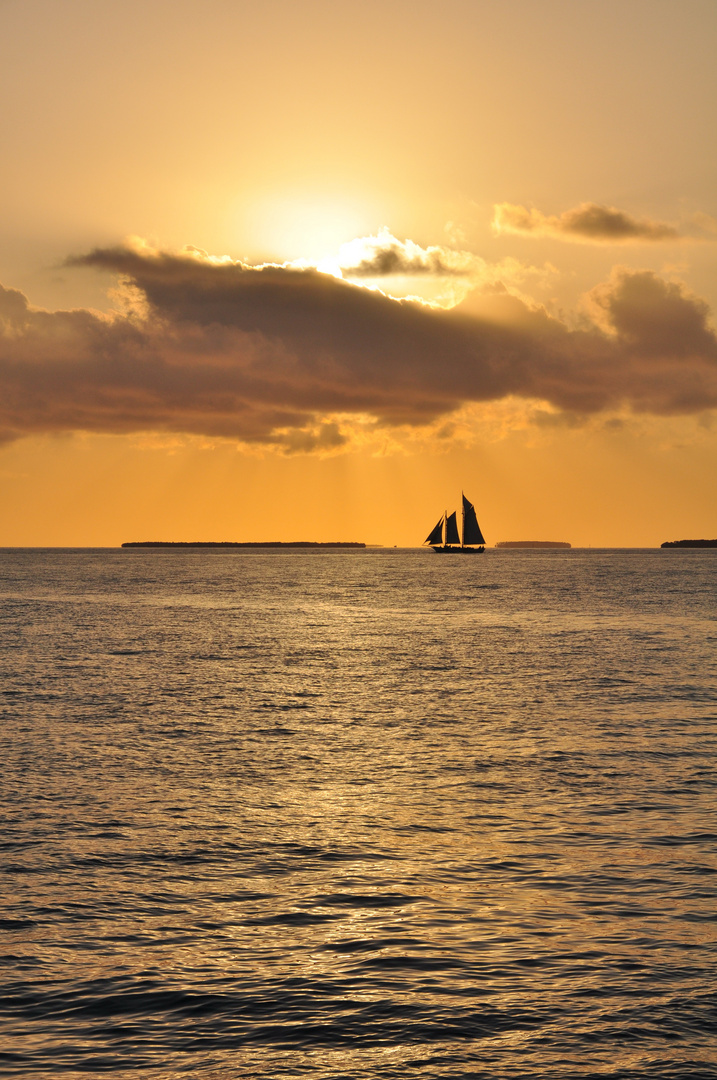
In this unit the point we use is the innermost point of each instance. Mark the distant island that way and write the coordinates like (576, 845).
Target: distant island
(532, 544)
(240, 544)
(690, 543)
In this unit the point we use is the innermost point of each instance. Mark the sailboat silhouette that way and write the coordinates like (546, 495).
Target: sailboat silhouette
(444, 537)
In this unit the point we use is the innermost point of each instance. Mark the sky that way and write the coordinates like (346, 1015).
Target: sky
(308, 269)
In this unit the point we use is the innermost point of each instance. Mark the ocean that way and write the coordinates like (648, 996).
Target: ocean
(358, 814)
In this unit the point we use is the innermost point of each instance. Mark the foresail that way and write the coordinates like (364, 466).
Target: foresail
(436, 535)
(452, 536)
(471, 528)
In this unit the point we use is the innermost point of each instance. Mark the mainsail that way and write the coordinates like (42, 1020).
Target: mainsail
(471, 528)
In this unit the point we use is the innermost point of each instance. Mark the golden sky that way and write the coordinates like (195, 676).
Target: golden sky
(306, 269)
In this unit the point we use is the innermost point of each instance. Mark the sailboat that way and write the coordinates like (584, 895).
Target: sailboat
(445, 536)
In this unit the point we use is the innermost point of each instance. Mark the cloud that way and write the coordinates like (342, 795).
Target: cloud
(655, 318)
(591, 223)
(442, 276)
(276, 355)
(384, 255)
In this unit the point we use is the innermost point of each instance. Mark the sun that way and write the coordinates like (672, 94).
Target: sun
(292, 225)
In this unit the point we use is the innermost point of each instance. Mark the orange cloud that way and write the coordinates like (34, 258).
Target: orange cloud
(594, 224)
(269, 354)
(384, 255)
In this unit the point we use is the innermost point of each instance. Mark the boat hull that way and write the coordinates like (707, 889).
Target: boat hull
(447, 550)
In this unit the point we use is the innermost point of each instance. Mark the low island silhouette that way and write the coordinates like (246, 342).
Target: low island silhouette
(689, 544)
(242, 544)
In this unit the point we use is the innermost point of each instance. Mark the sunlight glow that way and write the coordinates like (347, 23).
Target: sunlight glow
(298, 225)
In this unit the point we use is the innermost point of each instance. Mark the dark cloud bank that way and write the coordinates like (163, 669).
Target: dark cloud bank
(224, 349)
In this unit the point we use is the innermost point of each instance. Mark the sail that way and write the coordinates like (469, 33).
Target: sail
(452, 536)
(435, 536)
(471, 528)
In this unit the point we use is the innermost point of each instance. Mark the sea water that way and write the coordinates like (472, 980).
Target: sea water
(358, 814)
